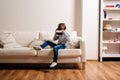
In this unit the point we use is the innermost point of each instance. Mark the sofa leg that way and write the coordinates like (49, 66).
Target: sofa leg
(78, 65)
(83, 65)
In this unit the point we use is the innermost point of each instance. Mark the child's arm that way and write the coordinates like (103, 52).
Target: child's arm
(56, 36)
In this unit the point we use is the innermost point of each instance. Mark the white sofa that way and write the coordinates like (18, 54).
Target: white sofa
(22, 52)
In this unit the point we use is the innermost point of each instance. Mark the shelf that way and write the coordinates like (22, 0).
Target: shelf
(110, 42)
(112, 9)
(112, 31)
(111, 20)
(110, 55)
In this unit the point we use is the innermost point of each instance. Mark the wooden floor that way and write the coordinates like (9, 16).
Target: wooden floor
(94, 71)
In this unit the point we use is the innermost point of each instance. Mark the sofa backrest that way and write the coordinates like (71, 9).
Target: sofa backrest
(48, 35)
(25, 38)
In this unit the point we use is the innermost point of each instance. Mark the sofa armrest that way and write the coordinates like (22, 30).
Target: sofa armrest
(83, 48)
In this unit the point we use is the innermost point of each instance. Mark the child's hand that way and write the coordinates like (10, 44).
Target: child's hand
(63, 31)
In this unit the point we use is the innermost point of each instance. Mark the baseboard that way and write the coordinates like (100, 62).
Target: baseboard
(37, 66)
(110, 59)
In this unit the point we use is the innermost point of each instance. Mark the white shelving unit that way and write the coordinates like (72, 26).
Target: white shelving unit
(109, 28)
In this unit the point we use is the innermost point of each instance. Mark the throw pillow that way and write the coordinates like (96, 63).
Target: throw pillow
(74, 43)
(8, 41)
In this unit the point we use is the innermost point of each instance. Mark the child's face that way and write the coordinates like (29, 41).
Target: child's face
(62, 27)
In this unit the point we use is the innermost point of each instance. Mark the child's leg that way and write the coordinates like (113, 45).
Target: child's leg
(46, 43)
(56, 48)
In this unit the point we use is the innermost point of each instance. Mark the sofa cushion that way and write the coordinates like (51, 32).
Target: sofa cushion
(25, 38)
(62, 53)
(18, 52)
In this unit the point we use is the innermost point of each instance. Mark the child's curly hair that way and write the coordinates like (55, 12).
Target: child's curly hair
(61, 24)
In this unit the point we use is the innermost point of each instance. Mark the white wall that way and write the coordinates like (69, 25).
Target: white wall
(90, 26)
(32, 15)
(39, 15)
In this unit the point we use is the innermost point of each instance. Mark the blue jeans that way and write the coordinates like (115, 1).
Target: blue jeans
(55, 47)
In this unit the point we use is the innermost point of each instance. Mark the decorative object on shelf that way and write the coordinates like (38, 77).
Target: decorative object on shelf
(107, 27)
(104, 49)
(117, 6)
(114, 29)
(105, 14)
(109, 18)
(115, 39)
(118, 29)
(109, 5)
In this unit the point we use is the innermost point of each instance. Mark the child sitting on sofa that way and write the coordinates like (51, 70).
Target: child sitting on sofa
(63, 40)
